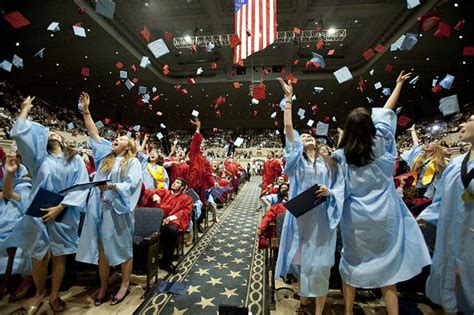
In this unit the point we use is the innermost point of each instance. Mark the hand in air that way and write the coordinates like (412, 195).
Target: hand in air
(27, 103)
(85, 101)
(287, 88)
(403, 77)
(11, 163)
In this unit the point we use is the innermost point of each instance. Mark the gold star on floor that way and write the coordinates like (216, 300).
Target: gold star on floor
(243, 242)
(210, 258)
(226, 254)
(214, 281)
(229, 293)
(234, 274)
(193, 289)
(233, 237)
(241, 250)
(205, 302)
(230, 245)
(177, 311)
(203, 271)
(216, 248)
(220, 241)
(221, 266)
(238, 260)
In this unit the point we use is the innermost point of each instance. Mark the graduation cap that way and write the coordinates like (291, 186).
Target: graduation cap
(368, 54)
(369, 100)
(388, 68)
(371, 72)
(159, 135)
(79, 31)
(403, 121)
(265, 72)
(70, 126)
(380, 48)
(17, 62)
(144, 62)
(296, 31)
(301, 112)
(136, 127)
(119, 65)
(331, 52)
(409, 41)
(162, 126)
(386, 91)
(255, 101)
(343, 75)
(234, 41)
(105, 8)
(319, 44)
(310, 123)
(40, 53)
(322, 129)
(412, 3)
(54, 27)
(81, 10)
(99, 124)
(129, 84)
(218, 101)
(123, 74)
(195, 113)
(133, 67)
(447, 82)
(273, 115)
(378, 85)
(398, 43)
(167, 35)
(213, 66)
(318, 89)
(318, 60)
(135, 80)
(6, 65)
(145, 33)
(444, 30)
(158, 48)
(199, 71)
(85, 71)
(436, 89)
(16, 19)
(398, 110)
(428, 22)
(191, 81)
(166, 70)
(460, 25)
(449, 105)
(218, 114)
(314, 108)
(414, 80)
(210, 47)
(361, 84)
(142, 90)
(291, 78)
(468, 51)
(258, 91)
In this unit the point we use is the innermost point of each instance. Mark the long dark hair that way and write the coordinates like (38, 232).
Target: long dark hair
(357, 140)
(68, 150)
(331, 164)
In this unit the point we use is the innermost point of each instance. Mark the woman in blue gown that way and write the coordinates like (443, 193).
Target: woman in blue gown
(106, 237)
(54, 166)
(153, 171)
(14, 196)
(451, 279)
(382, 243)
(308, 243)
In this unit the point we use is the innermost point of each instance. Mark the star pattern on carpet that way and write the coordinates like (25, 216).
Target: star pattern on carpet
(214, 281)
(202, 271)
(193, 289)
(229, 293)
(205, 302)
(177, 311)
(210, 258)
(234, 274)
(238, 260)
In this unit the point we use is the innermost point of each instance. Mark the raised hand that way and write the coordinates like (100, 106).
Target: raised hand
(403, 77)
(84, 100)
(287, 88)
(27, 103)
(11, 163)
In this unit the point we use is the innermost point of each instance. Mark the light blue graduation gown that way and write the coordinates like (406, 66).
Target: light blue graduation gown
(271, 198)
(11, 212)
(52, 173)
(454, 246)
(311, 237)
(382, 243)
(109, 216)
(148, 179)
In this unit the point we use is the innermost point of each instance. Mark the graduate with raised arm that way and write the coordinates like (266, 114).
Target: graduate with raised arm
(153, 173)
(106, 237)
(382, 243)
(451, 280)
(427, 163)
(54, 166)
(177, 166)
(312, 235)
(14, 199)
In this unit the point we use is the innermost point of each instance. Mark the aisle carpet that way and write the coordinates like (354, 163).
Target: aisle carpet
(224, 267)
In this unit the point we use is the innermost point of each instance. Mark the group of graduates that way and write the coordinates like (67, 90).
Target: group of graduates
(130, 175)
(364, 181)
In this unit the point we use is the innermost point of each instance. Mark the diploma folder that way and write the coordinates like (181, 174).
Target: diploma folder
(304, 202)
(84, 186)
(191, 193)
(217, 192)
(45, 199)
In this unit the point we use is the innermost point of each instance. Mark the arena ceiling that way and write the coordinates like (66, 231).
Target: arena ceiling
(57, 76)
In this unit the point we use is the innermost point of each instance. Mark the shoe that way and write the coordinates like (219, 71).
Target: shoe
(116, 301)
(57, 305)
(200, 229)
(169, 268)
(189, 239)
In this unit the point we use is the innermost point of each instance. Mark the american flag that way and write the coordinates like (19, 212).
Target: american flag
(255, 25)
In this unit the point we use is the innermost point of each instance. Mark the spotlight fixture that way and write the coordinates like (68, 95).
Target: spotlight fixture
(331, 31)
(187, 38)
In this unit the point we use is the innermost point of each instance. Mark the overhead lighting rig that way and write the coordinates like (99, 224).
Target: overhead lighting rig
(306, 36)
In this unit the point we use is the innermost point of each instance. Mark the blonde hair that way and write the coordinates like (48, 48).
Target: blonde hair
(109, 161)
(437, 157)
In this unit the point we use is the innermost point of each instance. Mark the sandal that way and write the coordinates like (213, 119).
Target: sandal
(57, 305)
(303, 310)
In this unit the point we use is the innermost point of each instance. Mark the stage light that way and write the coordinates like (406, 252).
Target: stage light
(331, 31)
(187, 38)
